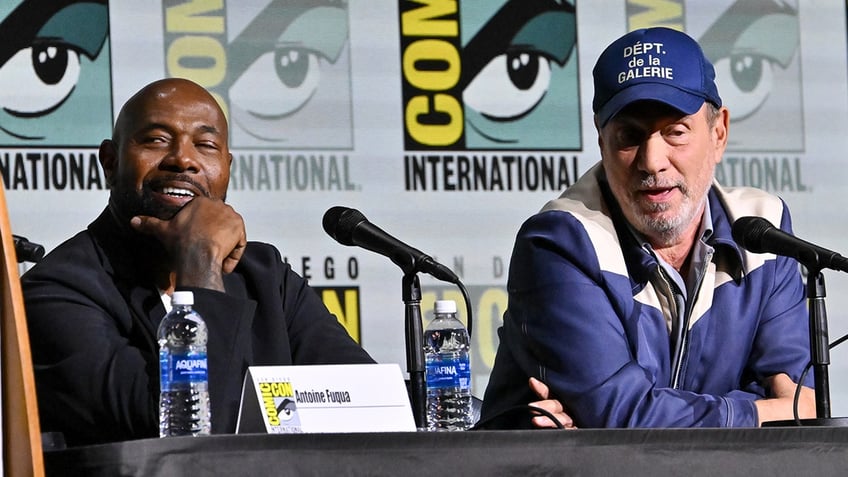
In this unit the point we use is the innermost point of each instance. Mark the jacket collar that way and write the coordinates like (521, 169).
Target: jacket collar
(642, 265)
(125, 256)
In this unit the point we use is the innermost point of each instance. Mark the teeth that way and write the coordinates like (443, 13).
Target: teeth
(177, 192)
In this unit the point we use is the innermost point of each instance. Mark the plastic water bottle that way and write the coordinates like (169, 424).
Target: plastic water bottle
(448, 372)
(184, 384)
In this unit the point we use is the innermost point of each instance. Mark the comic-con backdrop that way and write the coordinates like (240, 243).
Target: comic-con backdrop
(445, 122)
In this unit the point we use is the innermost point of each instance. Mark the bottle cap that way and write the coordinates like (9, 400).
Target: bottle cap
(182, 298)
(445, 306)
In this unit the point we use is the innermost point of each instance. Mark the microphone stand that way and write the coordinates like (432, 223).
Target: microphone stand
(819, 351)
(415, 364)
(819, 356)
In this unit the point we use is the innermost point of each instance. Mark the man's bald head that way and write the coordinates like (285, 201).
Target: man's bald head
(135, 109)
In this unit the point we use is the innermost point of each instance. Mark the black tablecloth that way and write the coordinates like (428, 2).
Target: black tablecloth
(780, 451)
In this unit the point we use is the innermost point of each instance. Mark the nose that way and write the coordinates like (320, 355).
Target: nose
(653, 155)
(181, 157)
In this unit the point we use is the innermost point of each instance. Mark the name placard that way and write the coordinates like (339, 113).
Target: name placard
(324, 398)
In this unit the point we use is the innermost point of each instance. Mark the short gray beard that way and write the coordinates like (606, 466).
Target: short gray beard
(667, 230)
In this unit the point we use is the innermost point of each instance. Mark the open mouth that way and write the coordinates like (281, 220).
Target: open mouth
(178, 192)
(658, 194)
(174, 197)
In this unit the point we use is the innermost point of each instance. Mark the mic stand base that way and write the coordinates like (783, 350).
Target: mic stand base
(814, 422)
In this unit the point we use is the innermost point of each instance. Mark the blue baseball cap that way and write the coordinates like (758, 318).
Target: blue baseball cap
(658, 64)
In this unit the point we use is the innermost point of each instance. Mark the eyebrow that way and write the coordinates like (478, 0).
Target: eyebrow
(147, 128)
(205, 128)
(210, 129)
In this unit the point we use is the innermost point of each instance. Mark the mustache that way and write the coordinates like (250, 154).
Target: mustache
(656, 182)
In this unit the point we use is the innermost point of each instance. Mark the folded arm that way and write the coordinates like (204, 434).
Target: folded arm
(604, 353)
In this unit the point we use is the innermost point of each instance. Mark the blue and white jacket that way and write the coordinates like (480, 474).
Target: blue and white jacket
(589, 311)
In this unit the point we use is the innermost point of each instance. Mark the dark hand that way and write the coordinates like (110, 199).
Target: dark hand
(204, 240)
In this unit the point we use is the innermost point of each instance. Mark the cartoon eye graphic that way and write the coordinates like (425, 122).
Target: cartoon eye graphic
(273, 96)
(752, 46)
(36, 80)
(510, 85)
(746, 80)
(286, 409)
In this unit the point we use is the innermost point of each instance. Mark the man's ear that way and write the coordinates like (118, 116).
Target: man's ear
(721, 127)
(108, 156)
(599, 129)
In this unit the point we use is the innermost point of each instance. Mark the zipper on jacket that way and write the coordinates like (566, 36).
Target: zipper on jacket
(674, 309)
(690, 305)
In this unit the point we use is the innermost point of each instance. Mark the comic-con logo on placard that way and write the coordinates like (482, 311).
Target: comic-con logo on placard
(489, 75)
(279, 407)
(280, 68)
(54, 73)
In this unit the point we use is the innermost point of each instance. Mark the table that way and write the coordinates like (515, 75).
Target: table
(779, 451)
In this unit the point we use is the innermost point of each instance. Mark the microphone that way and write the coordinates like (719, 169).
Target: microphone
(349, 227)
(758, 235)
(27, 251)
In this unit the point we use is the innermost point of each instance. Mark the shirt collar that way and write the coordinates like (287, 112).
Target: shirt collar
(705, 231)
(699, 250)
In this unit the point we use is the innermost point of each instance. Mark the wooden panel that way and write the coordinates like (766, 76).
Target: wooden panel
(21, 433)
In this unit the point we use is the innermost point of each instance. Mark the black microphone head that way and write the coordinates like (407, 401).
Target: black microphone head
(749, 231)
(339, 223)
(27, 251)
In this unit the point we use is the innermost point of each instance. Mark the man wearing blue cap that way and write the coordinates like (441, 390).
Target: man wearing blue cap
(628, 297)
